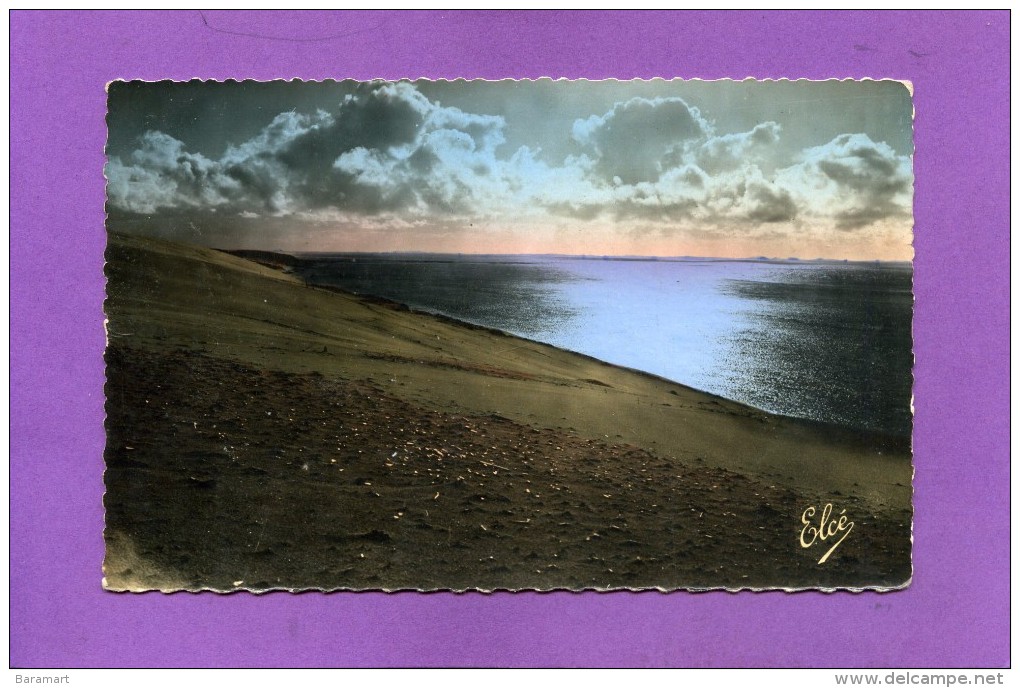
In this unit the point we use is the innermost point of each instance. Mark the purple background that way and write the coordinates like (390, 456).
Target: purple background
(955, 612)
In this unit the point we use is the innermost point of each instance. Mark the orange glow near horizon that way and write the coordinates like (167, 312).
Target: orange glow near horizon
(580, 239)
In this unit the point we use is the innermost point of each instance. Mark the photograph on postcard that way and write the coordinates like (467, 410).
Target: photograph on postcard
(508, 335)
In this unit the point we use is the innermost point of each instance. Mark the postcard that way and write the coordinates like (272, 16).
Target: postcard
(509, 335)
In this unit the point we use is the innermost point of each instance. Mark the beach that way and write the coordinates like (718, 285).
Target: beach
(264, 434)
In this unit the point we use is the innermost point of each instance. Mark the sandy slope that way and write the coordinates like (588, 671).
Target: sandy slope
(271, 433)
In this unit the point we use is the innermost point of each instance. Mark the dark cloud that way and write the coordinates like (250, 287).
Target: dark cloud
(658, 160)
(385, 148)
(768, 204)
(853, 180)
(721, 153)
(160, 173)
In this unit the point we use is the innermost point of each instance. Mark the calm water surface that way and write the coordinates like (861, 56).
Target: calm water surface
(826, 341)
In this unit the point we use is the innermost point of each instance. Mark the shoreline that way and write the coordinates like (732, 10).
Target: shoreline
(871, 438)
(887, 440)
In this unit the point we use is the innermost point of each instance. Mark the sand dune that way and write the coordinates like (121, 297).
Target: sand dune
(266, 434)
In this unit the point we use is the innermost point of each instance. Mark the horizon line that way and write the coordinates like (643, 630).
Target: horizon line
(578, 256)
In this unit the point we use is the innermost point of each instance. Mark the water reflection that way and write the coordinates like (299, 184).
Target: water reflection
(512, 295)
(830, 342)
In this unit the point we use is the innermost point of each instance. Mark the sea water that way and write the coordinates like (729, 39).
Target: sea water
(828, 341)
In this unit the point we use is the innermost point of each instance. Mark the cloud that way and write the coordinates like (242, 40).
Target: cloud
(852, 180)
(386, 147)
(768, 203)
(630, 141)
(390, 148)
(449, 167)
(727, 152)
(659, 160)
(388, 151)
(162, 174)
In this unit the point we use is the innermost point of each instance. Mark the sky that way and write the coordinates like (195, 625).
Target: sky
(803, 169)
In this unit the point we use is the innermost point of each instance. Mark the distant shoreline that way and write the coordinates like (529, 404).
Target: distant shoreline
(284, 256)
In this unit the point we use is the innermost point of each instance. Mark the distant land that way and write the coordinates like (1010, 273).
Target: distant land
(284, 255)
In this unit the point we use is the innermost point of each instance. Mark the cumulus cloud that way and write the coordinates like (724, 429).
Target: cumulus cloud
(727, 152)
(852, 180)
(387, 150)
(386, 147)
(161, 174)
(659, 160)
(631, 141)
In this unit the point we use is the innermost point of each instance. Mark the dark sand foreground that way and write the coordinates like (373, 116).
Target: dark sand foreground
(263, 434)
